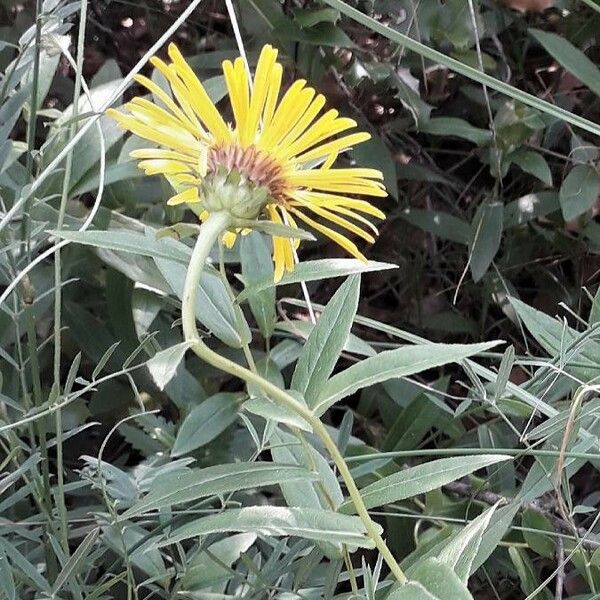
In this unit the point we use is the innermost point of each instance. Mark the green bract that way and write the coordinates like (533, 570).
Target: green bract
(232, 193)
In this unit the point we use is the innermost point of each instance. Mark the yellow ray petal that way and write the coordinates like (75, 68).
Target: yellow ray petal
(290, 261)
(347, 188)
(278, 258)
(283, 256)
(179, 139)
(330, 216)
(164, 166)
(179, 90)
(163, 97)
(187, 196)
(231, 85)
(307, 199)
(289, 220)
(281, 118)
(183, 178)
(330, 160)
(150, 113)
(339, 145)
(199, 99)
(148, 153)
(304, 122)
(342, 210)
(338, 238)
(184, 98)
(289, 116)
(335, 180)
(325, 127)
(331, 200)
(343, 174)
(259, 94)
(236, 79)
(272, 95)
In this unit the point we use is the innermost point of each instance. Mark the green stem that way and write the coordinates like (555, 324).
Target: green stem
(209, 233)
(31, 125)
(51, 563)
(60, 493)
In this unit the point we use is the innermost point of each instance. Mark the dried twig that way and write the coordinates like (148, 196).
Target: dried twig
(560, 569)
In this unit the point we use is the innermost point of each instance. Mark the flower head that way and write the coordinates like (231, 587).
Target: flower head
(281, 150)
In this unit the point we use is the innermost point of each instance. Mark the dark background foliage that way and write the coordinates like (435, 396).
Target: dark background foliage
(490, 200)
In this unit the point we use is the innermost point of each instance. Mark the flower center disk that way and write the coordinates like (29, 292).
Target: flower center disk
(256, 166)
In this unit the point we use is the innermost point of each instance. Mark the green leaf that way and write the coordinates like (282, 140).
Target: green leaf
(583, 151)
(256, 266)
(504, 371)
(533, 163)
(178, 231)
(541, 543)
(441, 224)
(288, 449)
(214, 308)
(176, 488)
(529, 207)
(326, 341)
(392, 364)
(321, 34)
(595, 309)
(163, 364)
(419, 110)
(374, 153)
(431, 579)
(21, 567)
(413, 171)
(309, 523)
(421, 479)
(7, 582)
(460, 551)
(87, 149)
(325, 493)
(439, 580)
(302, 329)
(452, 126)
(314, 270)
(74, 562)
(411, 591)
(557, 338)
(307, 17)
(571, 58)
(485, 238)
(528, 575)
(114, 172)
(267, 409)
(277, 229)
(210, 568)
(579, 191)
(495, 532)
(127, 544)
(125, 241)
(559, 422)
(205, 422)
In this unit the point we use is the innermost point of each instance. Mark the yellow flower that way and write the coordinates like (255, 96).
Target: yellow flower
(286, 145)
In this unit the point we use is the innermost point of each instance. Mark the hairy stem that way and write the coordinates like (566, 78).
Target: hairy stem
(216, 224)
